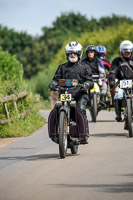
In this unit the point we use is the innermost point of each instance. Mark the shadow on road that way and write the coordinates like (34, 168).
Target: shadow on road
(108, 188)
(36, 157)
(109, 135)
(32, 157)
(102, 121)
(46, 156)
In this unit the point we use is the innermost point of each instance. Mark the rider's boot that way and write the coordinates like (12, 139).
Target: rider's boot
(118, 110)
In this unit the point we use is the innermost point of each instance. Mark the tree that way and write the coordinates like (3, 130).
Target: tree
(11, 74)
(37, 53)
(68, 25)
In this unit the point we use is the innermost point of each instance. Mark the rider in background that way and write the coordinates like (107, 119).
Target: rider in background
(121, 69)
(73, 69)
(97, 68)
(101, 53)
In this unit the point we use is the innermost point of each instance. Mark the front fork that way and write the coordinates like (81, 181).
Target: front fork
(125, 113)
(66, 109)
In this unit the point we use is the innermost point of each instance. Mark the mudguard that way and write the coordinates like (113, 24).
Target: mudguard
(96, 88)
(77, 129)
(53, 124)
(80, 121)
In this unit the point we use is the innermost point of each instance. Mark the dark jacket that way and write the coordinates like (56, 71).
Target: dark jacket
(93, 64)
(96, 65)
(120, 70)
(79, 71)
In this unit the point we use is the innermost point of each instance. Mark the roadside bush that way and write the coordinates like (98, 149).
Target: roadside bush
(11, 82)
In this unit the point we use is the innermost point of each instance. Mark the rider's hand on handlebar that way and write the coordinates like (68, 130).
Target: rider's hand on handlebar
(85, 86)
(53, 85)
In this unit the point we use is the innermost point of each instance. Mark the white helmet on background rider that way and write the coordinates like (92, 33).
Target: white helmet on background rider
(126, 46)
(74, 47)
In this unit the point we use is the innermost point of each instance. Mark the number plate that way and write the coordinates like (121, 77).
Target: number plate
(65, 97)
(125, 84)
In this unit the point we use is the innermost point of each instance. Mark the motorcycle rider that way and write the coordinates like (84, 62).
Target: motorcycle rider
(97, 68)
(101, 53)
(73, 69)
(121, 69)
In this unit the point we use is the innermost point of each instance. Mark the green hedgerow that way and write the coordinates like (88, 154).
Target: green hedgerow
(11, 82)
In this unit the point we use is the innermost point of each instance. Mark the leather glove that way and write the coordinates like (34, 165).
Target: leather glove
(111, 84)
(53, 85)
(86, 86)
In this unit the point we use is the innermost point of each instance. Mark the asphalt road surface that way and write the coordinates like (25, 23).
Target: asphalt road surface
(30, 168)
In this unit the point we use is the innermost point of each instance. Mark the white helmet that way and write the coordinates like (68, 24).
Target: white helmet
(74, 47)
(126, 46)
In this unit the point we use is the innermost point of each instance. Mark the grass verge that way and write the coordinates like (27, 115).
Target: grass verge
(22, 127)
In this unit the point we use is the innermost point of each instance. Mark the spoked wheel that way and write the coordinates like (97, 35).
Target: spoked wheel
(62, 134)
(129, 118)
(74, 149)
(94, 107)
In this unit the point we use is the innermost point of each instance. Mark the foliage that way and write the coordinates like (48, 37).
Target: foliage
(39, 84)
(28, 50)
(36, 53)
(14, 42)
(22, 127)
(11, 82)
(65, 26)
(41, 56)
(10, 67)
(109, 37)
(34, 59)
(70, 26)
(11, 74)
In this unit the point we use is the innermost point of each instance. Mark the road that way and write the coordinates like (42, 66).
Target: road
(30, 168)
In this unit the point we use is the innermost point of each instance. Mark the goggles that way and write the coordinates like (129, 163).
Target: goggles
(127, 50)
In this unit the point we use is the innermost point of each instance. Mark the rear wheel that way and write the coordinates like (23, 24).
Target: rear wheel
(129, 118)
(62, 134)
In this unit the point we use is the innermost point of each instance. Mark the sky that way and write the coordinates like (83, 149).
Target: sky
(31, 15)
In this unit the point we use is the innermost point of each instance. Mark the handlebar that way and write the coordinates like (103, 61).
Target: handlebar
(67, 84)
(59, 88)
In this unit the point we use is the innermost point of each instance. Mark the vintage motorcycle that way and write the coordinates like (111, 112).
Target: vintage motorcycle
(95, 103)
(66, 124)
(127, 103)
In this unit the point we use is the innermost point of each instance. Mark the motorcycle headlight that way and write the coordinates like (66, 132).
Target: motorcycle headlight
(100, 82)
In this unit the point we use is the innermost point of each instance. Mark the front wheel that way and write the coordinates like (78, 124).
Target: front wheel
(94, 107)
(129, 117)
(62, 134)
